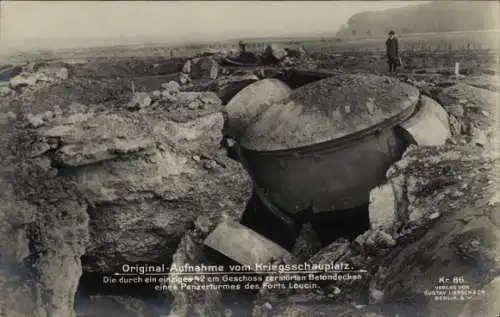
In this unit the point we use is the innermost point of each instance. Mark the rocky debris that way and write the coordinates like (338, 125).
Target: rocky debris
(34, 121)
(429, 126)
(194, 303)
(474, 110)
(136, 171)
(44, 229)
(227, 87)
(277, 52)
(181, 106)
(89, 140)
(208, 302)
(172, 87)
(142, 203)
(309, 63)
(149, 202)
(440, 220)
(184, 78)
(201, 68)
(48, 75)
(189, 105)
(287, 62)
(186, 68)
(5, 91)
(383, 207)
(374, 242)
(140, 100)
(156, 95)
(27, 80)
(442, 195)
(307, 243)
(62, 73)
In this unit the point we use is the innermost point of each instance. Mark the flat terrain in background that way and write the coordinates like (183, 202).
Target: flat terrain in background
(473, 40)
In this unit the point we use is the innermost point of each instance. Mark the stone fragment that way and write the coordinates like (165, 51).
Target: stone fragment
(184, 79)
(429, 126)
(276, 51)
(186, 68)
(5, 91)
(140, 100)
(204, 68)
(62, 73)
(383, 207)
(34, 121)
(172, 87)
(156, 94)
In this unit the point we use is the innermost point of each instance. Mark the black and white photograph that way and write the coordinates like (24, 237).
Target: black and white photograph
(249, 158)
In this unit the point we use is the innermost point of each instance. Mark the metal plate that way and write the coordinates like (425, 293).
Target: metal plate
(329, 109)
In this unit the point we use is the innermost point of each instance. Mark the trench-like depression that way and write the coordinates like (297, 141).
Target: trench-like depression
(329, 226)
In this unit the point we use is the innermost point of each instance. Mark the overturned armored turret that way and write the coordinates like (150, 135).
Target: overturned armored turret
(315, 152)
(330, 142)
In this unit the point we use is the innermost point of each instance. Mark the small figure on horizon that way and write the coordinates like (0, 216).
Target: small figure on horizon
(392, 49)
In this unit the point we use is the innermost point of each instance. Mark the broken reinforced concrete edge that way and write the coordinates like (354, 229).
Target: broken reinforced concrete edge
(429, 125)
(244, 245)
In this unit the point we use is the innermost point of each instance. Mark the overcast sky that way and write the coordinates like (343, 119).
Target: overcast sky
(23, 20)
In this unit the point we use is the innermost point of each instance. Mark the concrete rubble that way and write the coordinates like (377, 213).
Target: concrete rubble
(141, 190)
(474, 110)
(44, 74)
(277, 52)
(198, 303)
(430, 125)
(45, 232)
(434, 208)
(204, 67)
(5, 91)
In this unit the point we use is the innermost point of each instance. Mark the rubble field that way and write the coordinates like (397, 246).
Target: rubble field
(110, 162)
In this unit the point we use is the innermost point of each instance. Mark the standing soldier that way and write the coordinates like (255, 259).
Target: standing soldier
(392, 49)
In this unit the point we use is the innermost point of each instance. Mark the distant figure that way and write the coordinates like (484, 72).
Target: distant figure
(392, 49)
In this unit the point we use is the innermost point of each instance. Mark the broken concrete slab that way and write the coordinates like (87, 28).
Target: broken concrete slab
(429, 126)
(250, 102)
(91, 140)
(383, 207)
(243, 245)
